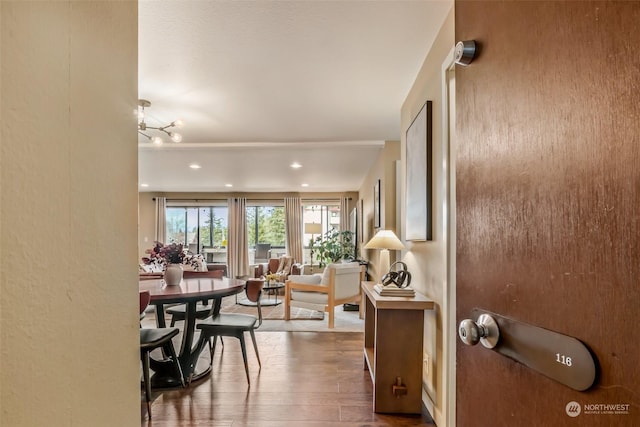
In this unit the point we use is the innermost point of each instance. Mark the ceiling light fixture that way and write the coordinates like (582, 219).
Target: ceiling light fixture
(195, 166)
(143, 127)
(296, 165)
(305, 185)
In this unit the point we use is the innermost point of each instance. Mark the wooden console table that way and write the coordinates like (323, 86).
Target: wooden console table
(393, 332)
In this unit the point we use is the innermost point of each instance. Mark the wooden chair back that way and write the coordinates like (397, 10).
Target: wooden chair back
(253, 289)
(145, 298)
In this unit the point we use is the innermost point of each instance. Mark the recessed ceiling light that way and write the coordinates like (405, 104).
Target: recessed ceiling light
(144, 185)
(228, 185)
(194, 166)
(296, 165)
(305, 185)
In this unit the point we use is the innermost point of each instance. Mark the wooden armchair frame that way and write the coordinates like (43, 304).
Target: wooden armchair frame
(330, 290)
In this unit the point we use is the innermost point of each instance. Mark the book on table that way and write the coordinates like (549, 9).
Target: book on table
(393, 291)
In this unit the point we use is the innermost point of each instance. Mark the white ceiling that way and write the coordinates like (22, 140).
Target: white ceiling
(261, 84)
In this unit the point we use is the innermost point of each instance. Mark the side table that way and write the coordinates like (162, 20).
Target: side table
(393, 335)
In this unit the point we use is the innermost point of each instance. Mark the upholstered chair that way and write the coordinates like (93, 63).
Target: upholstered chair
(337, 285)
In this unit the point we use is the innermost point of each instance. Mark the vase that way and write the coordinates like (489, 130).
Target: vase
(173, 274)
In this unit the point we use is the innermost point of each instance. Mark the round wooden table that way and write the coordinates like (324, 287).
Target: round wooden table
(189, 292)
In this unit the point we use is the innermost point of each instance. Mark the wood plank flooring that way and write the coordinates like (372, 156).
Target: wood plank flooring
(307, 379)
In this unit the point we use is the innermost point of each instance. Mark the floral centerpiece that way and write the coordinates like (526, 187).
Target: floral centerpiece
(195, 261)
(170, 258)
(271, 278)
(162, 254)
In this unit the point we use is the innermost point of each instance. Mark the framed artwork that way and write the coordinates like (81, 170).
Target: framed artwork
(376, 205)
(418, 180)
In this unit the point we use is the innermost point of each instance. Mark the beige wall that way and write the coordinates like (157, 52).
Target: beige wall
(427, 261)
(384, 169)
(68, 203)
(146, 226)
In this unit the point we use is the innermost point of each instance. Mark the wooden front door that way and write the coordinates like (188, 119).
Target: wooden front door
(548, 203)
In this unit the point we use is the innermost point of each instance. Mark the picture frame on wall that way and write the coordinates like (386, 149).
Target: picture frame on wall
(419, 142)
(376, 205)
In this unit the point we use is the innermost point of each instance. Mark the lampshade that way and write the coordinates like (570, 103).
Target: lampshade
(312, 228)
(384, 239)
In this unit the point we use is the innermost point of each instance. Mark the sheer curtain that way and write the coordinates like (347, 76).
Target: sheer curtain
(344, 214)
(293, 221)
(237, 246)
(161, 219)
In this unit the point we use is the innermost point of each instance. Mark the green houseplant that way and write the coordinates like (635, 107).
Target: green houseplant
(333, 246)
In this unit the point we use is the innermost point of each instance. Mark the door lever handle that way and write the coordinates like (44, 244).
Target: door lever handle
(484, 331)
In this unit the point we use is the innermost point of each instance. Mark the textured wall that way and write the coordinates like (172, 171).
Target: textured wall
(384, 170)
(68, 197)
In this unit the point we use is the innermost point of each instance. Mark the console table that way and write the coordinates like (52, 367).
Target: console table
(393, 332)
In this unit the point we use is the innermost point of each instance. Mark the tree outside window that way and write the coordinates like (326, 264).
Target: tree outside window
(266, 224)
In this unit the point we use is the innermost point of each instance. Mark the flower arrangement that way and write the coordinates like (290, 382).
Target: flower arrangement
(272, 277)
(195, 261)
(162, 254)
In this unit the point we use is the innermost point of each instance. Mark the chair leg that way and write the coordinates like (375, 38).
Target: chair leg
(147, 380)
(244, 356)
(173, 321)
(255, 346)
(287, 306)
(332, 316)
(212, 347)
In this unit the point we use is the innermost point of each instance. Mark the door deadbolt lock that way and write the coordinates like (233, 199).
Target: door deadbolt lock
(484, 331)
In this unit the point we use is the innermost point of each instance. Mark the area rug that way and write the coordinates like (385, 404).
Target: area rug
(269, 312)
(302, 320)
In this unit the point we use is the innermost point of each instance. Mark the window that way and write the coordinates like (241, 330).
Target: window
(202, 229)
(266, 224)
(328, 216)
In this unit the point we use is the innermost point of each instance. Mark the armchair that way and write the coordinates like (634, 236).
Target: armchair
(282, 267)
(339, 284)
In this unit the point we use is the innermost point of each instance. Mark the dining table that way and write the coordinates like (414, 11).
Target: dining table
(188, 292)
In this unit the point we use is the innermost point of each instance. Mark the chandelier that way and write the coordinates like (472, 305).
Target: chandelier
(144, 128)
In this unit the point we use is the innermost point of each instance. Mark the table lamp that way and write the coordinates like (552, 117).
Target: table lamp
(384, 240)
(312, 228)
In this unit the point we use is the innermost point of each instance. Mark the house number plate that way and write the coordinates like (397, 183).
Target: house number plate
(557, 356)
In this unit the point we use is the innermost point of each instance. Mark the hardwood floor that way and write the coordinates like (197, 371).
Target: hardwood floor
(313, 379)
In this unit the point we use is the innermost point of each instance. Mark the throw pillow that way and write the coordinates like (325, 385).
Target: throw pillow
(337, 265)
(286, 267)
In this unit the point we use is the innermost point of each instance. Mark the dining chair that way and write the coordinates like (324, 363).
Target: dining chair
(150, 339)
(236, 324)
(203, 308)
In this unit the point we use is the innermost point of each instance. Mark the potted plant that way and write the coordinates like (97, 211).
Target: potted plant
(333, 246)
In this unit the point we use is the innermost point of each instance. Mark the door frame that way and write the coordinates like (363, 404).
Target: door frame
(449, 229)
